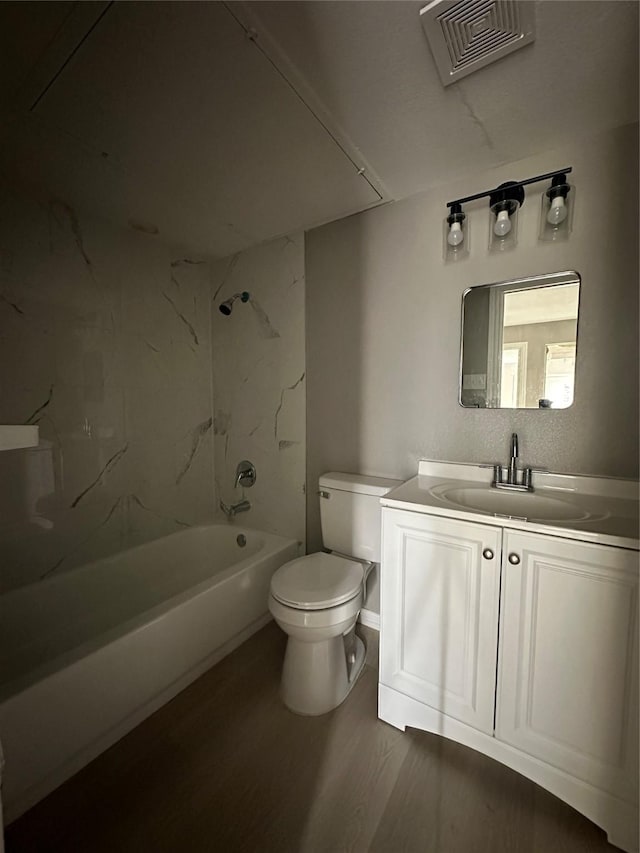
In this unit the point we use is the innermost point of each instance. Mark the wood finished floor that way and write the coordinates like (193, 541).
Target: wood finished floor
(225, 767)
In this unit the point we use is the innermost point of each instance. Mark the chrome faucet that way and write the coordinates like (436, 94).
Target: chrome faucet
(512, 470)
(231, 510)
(245, 476)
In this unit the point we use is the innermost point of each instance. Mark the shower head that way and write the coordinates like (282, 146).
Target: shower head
(227, 306)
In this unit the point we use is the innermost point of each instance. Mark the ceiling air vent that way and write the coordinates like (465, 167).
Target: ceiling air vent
(466, 35)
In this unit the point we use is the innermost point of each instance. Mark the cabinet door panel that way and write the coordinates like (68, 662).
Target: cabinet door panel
(568, 689)
(439, 613)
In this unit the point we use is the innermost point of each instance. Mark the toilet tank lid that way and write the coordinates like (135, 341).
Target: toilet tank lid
(358, 483)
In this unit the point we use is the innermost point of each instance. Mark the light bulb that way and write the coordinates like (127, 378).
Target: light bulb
(455, 235)
(502, 225)
(557, 212)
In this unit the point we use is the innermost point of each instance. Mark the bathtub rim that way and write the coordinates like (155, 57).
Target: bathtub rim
(50, 668)
(62, 576)
(37, 763)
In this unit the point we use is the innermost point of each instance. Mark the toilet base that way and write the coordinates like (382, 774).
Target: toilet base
(316, 677)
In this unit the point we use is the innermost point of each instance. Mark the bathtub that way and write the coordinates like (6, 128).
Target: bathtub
(87, 655)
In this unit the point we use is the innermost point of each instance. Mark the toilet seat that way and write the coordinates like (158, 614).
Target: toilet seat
(317, 582)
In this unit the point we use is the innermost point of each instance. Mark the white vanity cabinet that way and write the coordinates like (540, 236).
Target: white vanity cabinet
(520, 645)
(441, 613)
(568, 668)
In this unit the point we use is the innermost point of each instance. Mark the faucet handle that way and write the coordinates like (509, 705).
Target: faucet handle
(245, 473)
(497, 470)
(526, 475)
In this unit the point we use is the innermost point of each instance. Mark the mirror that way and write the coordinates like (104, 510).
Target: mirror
(519, 343)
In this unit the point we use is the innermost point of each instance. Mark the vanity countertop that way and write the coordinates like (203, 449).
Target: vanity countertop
(608, 508)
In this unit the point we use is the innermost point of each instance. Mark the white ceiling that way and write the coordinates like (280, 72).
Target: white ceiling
(541, 304)
(168, 115)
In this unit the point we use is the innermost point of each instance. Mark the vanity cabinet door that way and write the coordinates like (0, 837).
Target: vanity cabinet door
(440, 583)
(568, 669)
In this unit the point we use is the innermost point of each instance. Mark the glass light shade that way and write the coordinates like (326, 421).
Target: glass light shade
(455, 240)
(556, 213)
(503, 228)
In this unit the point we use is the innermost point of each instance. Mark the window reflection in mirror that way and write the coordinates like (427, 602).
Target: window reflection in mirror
(519, 343)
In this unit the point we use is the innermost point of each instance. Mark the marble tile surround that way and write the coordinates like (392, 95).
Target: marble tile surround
(259, 387)
(105, 342)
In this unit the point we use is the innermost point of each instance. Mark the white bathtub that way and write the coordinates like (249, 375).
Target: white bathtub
(87, 655)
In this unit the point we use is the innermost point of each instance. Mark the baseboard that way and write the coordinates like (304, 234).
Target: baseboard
(370, 619)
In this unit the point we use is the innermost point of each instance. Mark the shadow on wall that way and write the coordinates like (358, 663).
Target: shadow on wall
(334, 365)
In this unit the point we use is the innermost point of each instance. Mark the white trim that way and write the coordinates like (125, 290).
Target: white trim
(521, 347)
(370, 619)
(494, 347)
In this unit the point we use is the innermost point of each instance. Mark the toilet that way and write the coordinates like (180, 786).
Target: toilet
(316, 599)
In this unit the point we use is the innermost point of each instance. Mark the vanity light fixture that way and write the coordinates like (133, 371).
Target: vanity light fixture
(456, 235)
(557, 209)
(504, 202)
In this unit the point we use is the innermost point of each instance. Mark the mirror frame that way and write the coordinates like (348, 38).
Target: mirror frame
(543, 280)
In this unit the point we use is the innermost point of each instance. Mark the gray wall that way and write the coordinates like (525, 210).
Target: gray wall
(383, 328)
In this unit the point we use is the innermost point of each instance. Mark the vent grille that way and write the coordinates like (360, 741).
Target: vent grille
(466, 35)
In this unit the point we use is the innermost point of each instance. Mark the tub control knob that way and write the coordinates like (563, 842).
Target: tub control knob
(487, 554)
(513, 559)
(245, 474)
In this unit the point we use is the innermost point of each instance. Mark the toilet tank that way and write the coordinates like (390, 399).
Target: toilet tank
(350, 513)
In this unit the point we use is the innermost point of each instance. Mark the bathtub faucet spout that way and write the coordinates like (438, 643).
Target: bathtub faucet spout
(234, 509)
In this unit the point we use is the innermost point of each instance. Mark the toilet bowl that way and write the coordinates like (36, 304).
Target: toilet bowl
(316, 599)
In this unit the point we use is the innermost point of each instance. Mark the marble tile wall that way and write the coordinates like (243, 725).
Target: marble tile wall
(259, 384)
(105, 342)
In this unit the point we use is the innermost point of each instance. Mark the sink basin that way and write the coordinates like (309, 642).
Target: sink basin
(529, 505)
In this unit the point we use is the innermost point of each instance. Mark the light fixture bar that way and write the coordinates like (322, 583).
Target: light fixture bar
(512, 184)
